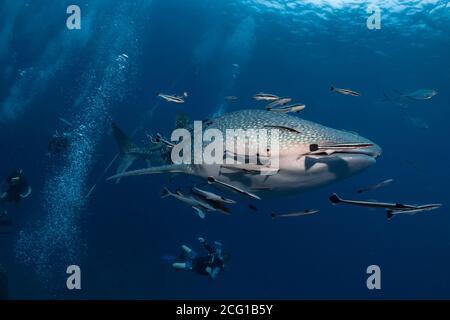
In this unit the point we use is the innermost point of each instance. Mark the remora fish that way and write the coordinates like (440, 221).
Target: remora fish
(199, 206)
(294, 214)
(265, 97)
(372, 204)
(211, 196)
(286, 109)
(231, 98)
(279, 102)
(298, 170)
(418, 95)
(172, 98)
(391, 213)
(382, 184)
(392, 208)
(229, 186)
(346, 92)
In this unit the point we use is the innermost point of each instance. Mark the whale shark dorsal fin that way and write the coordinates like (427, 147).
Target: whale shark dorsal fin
(182, 121)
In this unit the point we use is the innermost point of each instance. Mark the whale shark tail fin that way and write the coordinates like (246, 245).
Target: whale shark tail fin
(123, 141)
(126, 159)
(335, 199)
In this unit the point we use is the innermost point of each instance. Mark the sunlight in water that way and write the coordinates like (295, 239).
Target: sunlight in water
(395, 5)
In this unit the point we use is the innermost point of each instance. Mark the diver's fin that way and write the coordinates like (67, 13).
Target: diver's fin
(173, 168)
(181, 121)
(199, 212)
(335, 199)
(179, 265)
(27, 194)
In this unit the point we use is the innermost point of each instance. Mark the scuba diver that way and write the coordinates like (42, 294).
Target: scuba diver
(16, 189)
(60, 142)
(211, 265)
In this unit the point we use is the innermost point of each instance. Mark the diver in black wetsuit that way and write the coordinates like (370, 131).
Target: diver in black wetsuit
(211, 265)
(14, 189)
(59, 143)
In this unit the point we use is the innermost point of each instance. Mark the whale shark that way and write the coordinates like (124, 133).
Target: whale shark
(310, 156)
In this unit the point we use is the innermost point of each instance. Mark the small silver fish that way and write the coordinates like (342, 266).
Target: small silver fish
(212, 180)
(172, 98)
(279, 102)
(391, 208)
(330, 149)
(421, 94)
(211, 196)
(382, 184)
(391, 213)
(199, 206)
(295, 214)
(346, 92)
(160, 139)
(265, 97)
(231, 98)
(290, 108)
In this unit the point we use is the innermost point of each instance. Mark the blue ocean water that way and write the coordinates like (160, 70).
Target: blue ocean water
(120, 234)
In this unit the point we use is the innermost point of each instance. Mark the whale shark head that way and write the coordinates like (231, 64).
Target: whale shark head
(336, 155)
(301, 171)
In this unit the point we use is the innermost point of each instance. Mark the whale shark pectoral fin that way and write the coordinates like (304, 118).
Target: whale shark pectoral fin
(175, 168)
(310, 161)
